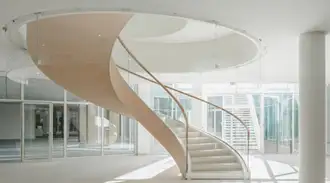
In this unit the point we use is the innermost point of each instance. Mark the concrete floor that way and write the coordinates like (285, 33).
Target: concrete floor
(74, 170)
(129, 168)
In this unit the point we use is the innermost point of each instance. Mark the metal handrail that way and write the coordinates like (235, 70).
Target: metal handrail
(167, 91)
(204, 101)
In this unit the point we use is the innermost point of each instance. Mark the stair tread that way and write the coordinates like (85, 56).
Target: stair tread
(235, 174)
(213, 157)
(217, 164)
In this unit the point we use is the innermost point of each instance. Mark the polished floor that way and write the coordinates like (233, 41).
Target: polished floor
(130, 168)
(39, 149)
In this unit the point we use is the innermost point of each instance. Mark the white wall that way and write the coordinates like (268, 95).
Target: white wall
(144, 137)
(328, 120)
(93, 130)
(10, 121)
(29, 121)
(197, 112)
(82, 123)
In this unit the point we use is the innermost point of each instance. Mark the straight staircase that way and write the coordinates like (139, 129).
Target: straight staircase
(234, 133)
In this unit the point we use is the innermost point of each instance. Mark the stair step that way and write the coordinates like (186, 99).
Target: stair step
(213, 159)
(197, 140)
(202, 146)
(209, 152)
(190, 134)
(180, 129)
(216, 167)
(224, 175)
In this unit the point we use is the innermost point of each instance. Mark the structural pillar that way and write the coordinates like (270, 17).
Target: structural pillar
(312, 115)
(196, 115)
(144, 143)
(262, 123)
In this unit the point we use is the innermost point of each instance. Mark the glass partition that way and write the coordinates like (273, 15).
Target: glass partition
(37, 127)
(119, 133)
(84, 130)
(58, 131)
(10, 131)
(215, 116)
(279, 122)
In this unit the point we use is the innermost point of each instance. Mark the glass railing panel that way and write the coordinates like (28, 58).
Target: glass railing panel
(174, 106)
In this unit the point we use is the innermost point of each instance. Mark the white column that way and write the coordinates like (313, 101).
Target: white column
(312, 115)
(196, 115)
(82, 123)
(144, 141)
(328, 121)
(92, 128)
(144, 138)
(262, 123)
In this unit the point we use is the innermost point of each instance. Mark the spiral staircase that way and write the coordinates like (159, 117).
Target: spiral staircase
(77, 56)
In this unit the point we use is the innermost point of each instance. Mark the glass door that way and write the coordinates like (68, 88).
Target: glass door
(278, 118)
(58, 131)
(37, 131)
(215, 117)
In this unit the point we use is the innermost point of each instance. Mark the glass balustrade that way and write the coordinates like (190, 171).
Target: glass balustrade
(174, 108)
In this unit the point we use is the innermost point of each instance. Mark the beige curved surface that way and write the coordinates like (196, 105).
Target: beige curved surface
(75, 50)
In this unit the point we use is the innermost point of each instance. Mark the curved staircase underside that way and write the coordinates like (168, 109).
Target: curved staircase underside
(75, 52)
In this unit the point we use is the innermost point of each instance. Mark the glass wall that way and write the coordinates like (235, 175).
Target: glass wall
(215, 116)
(37, 131)
(52, 127)
(279, 124)
(10, 131)
(164, 104)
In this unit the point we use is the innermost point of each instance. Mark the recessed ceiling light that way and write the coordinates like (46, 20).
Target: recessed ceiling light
(99, 35)
(43, 45)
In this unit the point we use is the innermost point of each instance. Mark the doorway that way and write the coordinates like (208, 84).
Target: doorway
(280, 123)
(37, 131)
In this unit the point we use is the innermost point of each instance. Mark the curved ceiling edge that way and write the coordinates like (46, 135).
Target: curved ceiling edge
(16, 23)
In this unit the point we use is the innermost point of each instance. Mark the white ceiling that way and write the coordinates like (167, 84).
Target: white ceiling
(193, 31)
(227, 51)
(277, 23)
(173, 45)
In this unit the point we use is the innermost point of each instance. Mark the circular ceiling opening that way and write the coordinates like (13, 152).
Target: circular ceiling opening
(167, 44)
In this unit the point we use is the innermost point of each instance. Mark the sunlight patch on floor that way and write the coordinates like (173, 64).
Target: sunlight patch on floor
(148, 171)
(262, 171)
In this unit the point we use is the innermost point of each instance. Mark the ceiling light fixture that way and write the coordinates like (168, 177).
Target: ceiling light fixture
(99, 35)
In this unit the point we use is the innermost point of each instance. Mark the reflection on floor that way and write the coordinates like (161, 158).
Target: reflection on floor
(129, 168)
(74, 170)
(263, 169)
(38, 149)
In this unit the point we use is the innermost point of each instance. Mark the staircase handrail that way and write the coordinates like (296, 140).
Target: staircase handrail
(192, 96)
